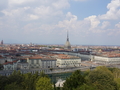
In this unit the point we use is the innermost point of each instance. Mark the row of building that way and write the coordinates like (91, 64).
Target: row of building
(106, 59)
(43, 61)
(61, 60)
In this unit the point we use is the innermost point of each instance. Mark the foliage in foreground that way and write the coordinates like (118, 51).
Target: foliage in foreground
(102, 78)
(75, 80)
(44, 83)
(18, 81)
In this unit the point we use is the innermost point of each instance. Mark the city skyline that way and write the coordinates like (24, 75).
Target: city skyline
(89, 22)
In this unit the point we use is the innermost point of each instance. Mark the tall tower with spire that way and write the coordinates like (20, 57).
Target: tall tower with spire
(2, 42)
(67, 44)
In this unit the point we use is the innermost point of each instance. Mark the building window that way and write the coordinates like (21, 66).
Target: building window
(37, 61)
(32, 61)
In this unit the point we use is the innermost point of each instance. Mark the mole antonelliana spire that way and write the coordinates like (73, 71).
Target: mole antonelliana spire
(1, 42)
(67, 44)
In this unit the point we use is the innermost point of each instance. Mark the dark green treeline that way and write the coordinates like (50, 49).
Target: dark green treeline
(101, 78)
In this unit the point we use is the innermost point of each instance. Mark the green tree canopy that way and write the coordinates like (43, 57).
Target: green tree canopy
(3, 82)
(42, 74)
(13, 86)
(74, 81)
(86, 87)
(29, 81)
(116, 74)
(15, 77)
(102, 78)
(44, 83)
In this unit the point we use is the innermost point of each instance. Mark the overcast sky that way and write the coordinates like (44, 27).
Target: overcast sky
(89, 22)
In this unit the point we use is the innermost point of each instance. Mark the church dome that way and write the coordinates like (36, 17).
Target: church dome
(67, 45)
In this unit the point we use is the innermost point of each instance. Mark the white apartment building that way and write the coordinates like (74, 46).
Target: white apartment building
(38, 62)
(48, 62)
(10, 65)
(22, 66)
(34, 62)
(15, 65)
(2, 60)
(68, 62)
(56, 60)
(106, 60)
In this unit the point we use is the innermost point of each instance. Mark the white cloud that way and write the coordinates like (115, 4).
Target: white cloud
(114, 4)
(69, 22)
(17, 2)
(70, 16)
(113, 10)
(47, 27)
(11, 12)
(118, 25)
(43, 10)
(105, 24)
(19, 12)
(59, 4)
(33, 17)
(80, 0)
(26, 8)
(93, 20)
(28, 28)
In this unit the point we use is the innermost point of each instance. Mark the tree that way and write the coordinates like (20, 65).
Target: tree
(13, 86)
(29, 81)
(111, 69)
(3, 82)
(74, 81)
(44, 83)
(86, 87)
(16, 77)
(118, 82)
(52, 79)
(102, 78)
(42, 74)
(116, 74)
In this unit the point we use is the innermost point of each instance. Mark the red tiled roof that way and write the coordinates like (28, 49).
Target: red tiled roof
(7, 63)
(35, 57)
(14, 61)
(10, 62)
(1, 57)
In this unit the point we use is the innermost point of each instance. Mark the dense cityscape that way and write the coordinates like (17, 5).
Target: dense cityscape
(55, 59)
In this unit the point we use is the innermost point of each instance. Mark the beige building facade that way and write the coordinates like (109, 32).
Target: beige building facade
(106, 60)
(68, 62)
